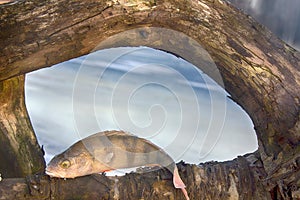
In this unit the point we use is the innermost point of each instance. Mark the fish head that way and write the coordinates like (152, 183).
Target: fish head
(70, 166)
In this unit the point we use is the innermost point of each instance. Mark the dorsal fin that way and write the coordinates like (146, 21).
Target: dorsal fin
(117, 133)
(111, 133)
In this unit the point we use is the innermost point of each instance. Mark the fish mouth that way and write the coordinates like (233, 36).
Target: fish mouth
(49, 173)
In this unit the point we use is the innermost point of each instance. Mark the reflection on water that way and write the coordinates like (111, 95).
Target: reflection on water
(147, 92)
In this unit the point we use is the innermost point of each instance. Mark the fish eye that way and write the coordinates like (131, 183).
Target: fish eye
(65, 164)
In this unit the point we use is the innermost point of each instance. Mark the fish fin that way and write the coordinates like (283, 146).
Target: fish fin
(185, 193)
(153, 165)
(148, 168)
(109, 157)
(178, 183)
(117, 133)
(108, 170)
(104, 156)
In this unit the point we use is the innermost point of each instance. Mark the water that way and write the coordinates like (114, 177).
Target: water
(282, 17)
(147, 92)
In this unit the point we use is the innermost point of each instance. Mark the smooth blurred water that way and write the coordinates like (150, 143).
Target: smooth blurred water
(147, 92)
(282, 17)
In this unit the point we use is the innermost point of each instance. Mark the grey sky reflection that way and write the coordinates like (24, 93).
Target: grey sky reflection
(147, 92)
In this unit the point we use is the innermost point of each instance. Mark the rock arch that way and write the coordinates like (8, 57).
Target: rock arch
(261, 73)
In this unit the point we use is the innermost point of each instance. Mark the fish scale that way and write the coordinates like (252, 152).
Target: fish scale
(111, 150)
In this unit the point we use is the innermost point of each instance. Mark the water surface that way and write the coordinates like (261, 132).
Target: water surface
(147, 92)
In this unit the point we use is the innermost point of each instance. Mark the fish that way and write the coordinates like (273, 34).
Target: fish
(111, 150)
(5, 1)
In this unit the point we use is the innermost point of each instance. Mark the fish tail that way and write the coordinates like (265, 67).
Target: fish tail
(185, 193)
(178, 183)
